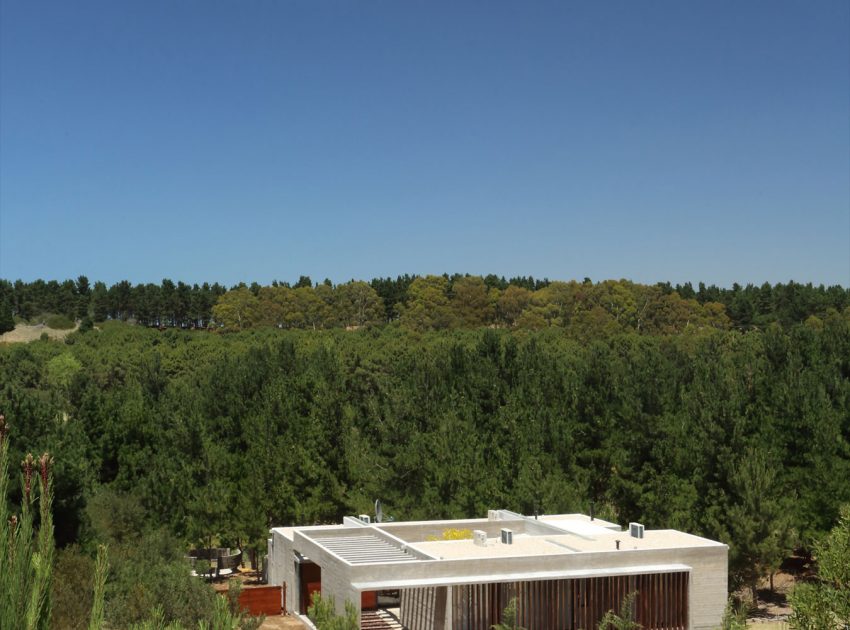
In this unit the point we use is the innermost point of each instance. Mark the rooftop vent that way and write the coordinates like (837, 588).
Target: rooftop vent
(507, 536)
(365, 518)
(635, 530)
(479, 537)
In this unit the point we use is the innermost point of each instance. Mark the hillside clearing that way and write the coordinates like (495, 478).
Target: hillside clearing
(24, 333)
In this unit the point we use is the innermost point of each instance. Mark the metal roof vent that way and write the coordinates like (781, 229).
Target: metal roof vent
(365, 518)
(479, 537)
(635, 530)
(507, 536)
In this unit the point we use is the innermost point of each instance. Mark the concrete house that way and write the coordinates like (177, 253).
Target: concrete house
(565, 572)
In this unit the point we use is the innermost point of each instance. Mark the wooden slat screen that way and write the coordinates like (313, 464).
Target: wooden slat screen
(661, 602)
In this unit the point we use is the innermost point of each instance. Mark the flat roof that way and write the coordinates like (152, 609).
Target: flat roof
(358, 543)
(530, 545)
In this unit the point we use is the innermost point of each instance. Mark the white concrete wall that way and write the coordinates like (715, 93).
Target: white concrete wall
(707, 583)
(282, 567)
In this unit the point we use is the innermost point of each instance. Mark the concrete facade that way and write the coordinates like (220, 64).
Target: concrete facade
(413, 558)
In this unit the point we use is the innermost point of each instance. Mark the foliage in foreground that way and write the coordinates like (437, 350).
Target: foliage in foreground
(222, 617)
(622, 620)
(734, 616)
(322, 612)
(26, 551)
(825, 603)
(509, 618)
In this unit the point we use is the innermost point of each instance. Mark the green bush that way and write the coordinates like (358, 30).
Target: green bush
(62, 369)
(322, 612)
(72, 589)
(144, 578)
(58, 322)
(824, 604)
(148, 571)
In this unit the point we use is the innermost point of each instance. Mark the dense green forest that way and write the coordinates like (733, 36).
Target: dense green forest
(429, 302)
(739, 436)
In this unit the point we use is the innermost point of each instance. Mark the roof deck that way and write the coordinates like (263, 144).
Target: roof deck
(526, 545)
(358, 543)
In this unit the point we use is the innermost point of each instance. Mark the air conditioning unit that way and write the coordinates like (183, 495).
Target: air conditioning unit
(636, 530)
(507, 536)
(365, 518)
(479, 537)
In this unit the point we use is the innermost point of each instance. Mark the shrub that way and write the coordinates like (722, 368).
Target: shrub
(86, 324)
(62, 369)
(58, 322)
(825, 603)
(148, 572)
(322, 612)
(72, 589)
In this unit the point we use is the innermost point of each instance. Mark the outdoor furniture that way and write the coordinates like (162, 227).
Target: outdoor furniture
(216, 561)
(229, 563)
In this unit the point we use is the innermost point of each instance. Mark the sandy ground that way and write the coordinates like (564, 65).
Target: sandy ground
(282, 622)
(25, 334)
(773, 610)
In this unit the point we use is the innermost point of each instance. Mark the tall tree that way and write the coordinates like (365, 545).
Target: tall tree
(83, 290)
(428, 305)
(7, 321)
(470, 302)
(237, 309)
(759, 520)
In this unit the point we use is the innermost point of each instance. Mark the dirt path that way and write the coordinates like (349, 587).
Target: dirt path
(25, 334)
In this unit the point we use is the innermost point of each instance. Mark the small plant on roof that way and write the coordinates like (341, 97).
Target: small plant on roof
(451, 533)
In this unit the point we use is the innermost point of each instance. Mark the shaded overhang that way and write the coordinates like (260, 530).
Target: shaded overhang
(530, 576)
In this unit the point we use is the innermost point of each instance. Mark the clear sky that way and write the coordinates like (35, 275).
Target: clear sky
(261, 140)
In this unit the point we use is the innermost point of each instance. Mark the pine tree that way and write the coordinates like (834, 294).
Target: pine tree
(7, 322)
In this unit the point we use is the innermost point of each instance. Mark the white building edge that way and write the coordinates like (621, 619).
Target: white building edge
(564, 570)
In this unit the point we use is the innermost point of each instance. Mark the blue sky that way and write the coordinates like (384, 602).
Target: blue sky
(229, 141)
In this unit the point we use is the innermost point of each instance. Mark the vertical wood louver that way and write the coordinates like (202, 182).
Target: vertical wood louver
(661, 602)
